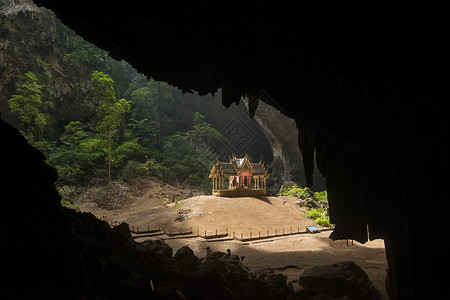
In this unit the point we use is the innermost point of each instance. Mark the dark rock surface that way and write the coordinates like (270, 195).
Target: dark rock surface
(338, 280)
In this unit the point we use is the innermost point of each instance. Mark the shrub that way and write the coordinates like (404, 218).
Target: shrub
(314, 213)
(296, 191)
(134, 170)
(323, 221)
(319, 215)
(70, 205)
(321, 196)
(68, 193)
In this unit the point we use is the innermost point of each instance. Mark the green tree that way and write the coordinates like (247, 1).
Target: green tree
(203, 132)
(112, 111)
(28, 102)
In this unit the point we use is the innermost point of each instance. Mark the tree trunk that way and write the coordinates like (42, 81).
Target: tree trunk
(109, 149)
(161, 136)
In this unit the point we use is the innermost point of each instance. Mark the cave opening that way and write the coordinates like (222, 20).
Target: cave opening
(369, 104)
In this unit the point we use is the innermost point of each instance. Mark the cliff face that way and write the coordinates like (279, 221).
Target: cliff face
(28, 35)
(282, 133)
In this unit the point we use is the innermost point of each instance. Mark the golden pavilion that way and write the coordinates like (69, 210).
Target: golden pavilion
(238, 178)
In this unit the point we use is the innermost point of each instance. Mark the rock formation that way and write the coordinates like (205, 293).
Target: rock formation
(281, 132)
(338, 280)
(366, 84)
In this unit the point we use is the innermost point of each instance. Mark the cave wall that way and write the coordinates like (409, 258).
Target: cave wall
(366, 84)
(281, 131)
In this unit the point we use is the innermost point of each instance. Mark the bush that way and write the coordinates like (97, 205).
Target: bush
(128, 151)
(134, 170)
(70, 205)
(319, 215)
(296, 191)
(314, 213)
(321, 196)
(323, 222)
(68, 193)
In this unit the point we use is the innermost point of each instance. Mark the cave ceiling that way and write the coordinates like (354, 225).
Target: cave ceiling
(313, 61)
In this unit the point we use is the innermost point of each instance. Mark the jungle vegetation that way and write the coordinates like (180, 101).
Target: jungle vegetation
(125, 137)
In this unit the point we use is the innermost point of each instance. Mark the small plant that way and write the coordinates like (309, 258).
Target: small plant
(319, 215)
(321, 196)
(314, 213)
(296, 191)
(323, 221)
(178, 203)
(70, 205)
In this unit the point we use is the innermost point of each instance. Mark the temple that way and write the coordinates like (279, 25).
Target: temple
(238, 178)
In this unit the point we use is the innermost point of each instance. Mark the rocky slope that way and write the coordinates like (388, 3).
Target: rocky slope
(29, 34)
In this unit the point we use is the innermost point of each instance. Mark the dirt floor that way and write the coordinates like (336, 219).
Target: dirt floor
(242, 217)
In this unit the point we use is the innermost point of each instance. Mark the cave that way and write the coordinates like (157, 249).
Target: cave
(366, 84)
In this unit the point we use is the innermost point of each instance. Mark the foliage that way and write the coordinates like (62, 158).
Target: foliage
(128, 151)
(314, 213)
(70, 205)
(112, 111)
(82, 53)
(177, 202)
(136, 137)
(296, 191)
(321, 196)
(27, 104)
(203, 130)
(323, 221)
(319, 215)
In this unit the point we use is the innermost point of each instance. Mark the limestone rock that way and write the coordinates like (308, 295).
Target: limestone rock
(187, 259)
(338, 280)
(159, 248)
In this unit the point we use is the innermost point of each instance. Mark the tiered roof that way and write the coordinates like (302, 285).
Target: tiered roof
(236, 165)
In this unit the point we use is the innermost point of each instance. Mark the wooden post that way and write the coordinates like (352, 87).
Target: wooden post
(259, 233)
(276, 231)
(242, 236)
(205, 232)
(234, 234)
(250, 234)
(267, 233)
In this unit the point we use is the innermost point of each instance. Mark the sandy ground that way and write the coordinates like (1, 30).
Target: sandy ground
(290, 255)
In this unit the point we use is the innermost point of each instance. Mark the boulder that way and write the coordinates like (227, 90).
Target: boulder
(338, 280)
(187, 259)
(158, 248)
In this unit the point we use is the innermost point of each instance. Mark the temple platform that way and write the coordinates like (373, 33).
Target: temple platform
(239, 192)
